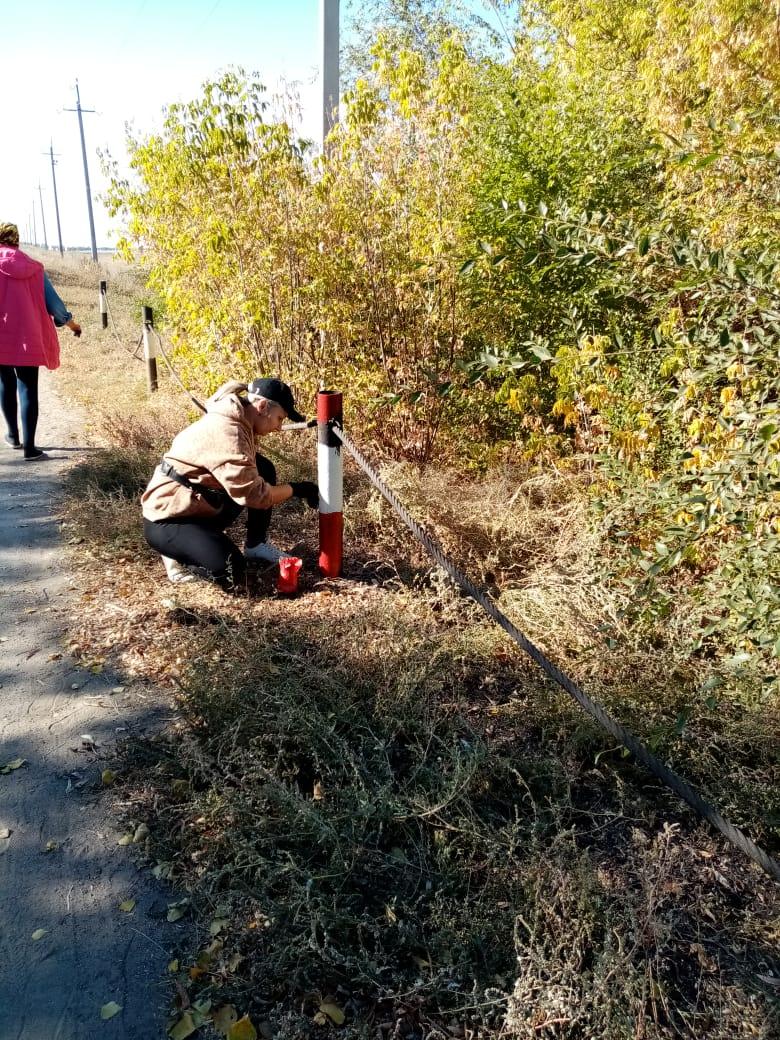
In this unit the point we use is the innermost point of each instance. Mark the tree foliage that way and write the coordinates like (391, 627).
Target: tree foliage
(550, 230)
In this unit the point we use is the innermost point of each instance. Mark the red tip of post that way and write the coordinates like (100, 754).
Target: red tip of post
(329, 405)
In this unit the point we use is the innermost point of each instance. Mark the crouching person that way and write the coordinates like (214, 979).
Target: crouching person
(210, 474)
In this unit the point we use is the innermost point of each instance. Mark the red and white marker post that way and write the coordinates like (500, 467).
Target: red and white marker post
(330, 477)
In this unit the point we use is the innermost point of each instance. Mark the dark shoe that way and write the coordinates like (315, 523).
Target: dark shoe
(10, 440)
(34, 455)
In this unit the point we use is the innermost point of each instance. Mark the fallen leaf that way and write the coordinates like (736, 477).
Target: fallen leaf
(318, 793)
(108, 777)
(39, 934)
(109, 1010)
(126, 839)
(173, 965)
(54, 657)
(51, 846)
(333, 1011)
(224, 1019)
(118, 689)
(177, 910)
(15, 763)
(185, 1027)
(217, 925)
(141, 833)
(243, 1030)
(127, 906)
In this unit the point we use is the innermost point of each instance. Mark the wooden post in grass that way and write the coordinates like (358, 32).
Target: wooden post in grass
(330, 476)
(103, 304)
(150, 350)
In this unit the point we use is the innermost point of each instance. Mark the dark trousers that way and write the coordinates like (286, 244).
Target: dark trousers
(24, 380)
(201, 542)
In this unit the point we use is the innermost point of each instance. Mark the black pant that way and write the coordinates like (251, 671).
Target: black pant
(200, 542)
(23, 378)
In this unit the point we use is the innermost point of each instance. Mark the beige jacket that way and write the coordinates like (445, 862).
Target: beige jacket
(217, 451)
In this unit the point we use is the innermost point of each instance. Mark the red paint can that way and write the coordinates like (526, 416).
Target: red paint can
(289, 568)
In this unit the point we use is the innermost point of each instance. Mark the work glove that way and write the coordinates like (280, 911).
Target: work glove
(308, 491)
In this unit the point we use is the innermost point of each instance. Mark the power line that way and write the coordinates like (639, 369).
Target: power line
(43, 218)
(50, 153)
(79, 110)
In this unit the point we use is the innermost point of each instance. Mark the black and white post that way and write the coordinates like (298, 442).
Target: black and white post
(103, 302)
(150, 351)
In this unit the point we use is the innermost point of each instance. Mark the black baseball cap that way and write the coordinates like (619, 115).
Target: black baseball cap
(278, 392)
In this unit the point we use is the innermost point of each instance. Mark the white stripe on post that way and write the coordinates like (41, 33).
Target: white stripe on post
(330, 476)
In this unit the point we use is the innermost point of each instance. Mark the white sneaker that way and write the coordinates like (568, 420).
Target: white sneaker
(264, 551)
(177, 572)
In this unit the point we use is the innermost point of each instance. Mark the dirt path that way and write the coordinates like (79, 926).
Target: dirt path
(53, 988)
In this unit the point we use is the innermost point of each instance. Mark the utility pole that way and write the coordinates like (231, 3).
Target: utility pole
(50, 153)
(329, 21)
(34, 226)
(78, 109)
(43, 218)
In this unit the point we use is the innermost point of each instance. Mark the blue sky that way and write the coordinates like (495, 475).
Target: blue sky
(131, 59)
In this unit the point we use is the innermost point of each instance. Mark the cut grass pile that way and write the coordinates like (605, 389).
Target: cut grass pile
(378, 808)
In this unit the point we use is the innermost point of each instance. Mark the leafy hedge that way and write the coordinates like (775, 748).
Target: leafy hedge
(563, 243)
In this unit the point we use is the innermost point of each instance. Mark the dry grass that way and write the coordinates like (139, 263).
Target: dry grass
(380, 801)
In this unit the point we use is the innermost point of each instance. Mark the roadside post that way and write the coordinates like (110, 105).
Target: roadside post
(330, 477)
(150, 351)
(103, 304)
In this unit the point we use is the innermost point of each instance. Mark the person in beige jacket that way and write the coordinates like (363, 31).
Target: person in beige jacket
(210, 474)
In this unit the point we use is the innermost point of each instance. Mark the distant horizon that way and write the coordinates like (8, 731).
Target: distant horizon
(66, 249)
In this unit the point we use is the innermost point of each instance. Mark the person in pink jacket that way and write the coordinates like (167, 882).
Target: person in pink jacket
(29, 310)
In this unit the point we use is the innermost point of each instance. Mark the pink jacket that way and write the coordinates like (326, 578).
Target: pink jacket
(27, 334)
